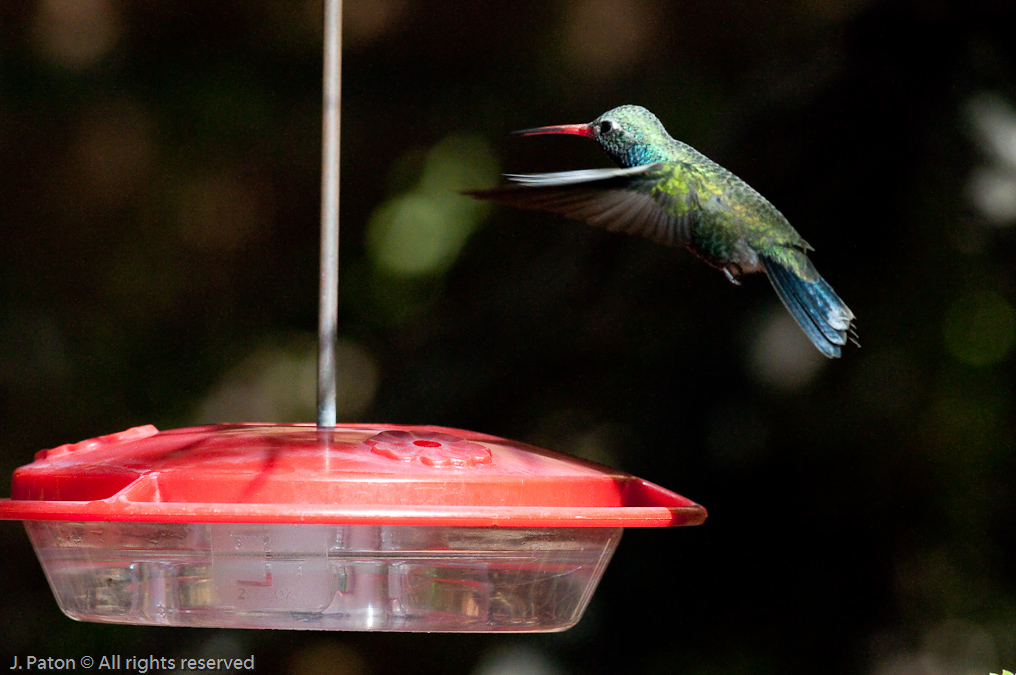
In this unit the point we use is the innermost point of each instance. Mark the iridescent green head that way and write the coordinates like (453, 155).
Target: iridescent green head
(630, 134)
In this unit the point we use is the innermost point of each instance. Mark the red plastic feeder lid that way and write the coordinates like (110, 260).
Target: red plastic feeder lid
(349, 474)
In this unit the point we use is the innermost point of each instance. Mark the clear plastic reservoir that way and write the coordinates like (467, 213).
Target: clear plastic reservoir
(339, 577)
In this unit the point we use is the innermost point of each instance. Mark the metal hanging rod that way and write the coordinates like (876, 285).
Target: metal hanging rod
(329, 291)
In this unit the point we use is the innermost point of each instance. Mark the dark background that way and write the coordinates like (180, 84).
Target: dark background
(159, 200)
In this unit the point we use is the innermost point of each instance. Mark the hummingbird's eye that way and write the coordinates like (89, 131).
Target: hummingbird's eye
(606, 126)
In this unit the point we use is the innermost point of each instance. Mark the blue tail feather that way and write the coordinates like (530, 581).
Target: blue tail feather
(825, 319)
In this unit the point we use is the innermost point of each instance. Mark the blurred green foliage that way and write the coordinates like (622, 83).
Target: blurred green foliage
(423, 230)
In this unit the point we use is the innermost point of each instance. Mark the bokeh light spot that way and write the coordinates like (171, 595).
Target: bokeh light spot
(782, 357)
(993, 191)
(116, 150)
(602, 37)
(991, 188)
(369, 20)
(75, 34)
(994, 125)
(980, 328)
(278, 383)
(516, 660)
(328, 658)
(422, 231)
(221, 210)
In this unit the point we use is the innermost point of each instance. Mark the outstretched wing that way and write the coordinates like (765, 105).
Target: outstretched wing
(642, 200)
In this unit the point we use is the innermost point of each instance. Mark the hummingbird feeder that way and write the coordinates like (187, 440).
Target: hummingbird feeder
(326, 526)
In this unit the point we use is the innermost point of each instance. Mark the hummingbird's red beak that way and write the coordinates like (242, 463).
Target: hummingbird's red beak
(571, 129)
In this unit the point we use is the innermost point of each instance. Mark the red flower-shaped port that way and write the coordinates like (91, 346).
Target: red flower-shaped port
(432, 449)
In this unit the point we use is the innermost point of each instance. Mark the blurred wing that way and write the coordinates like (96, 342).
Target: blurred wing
(620, 200)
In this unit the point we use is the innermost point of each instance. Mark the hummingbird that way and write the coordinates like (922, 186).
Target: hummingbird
(668, 192)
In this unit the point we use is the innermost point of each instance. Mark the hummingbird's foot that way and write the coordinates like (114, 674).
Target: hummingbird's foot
(733, 272)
